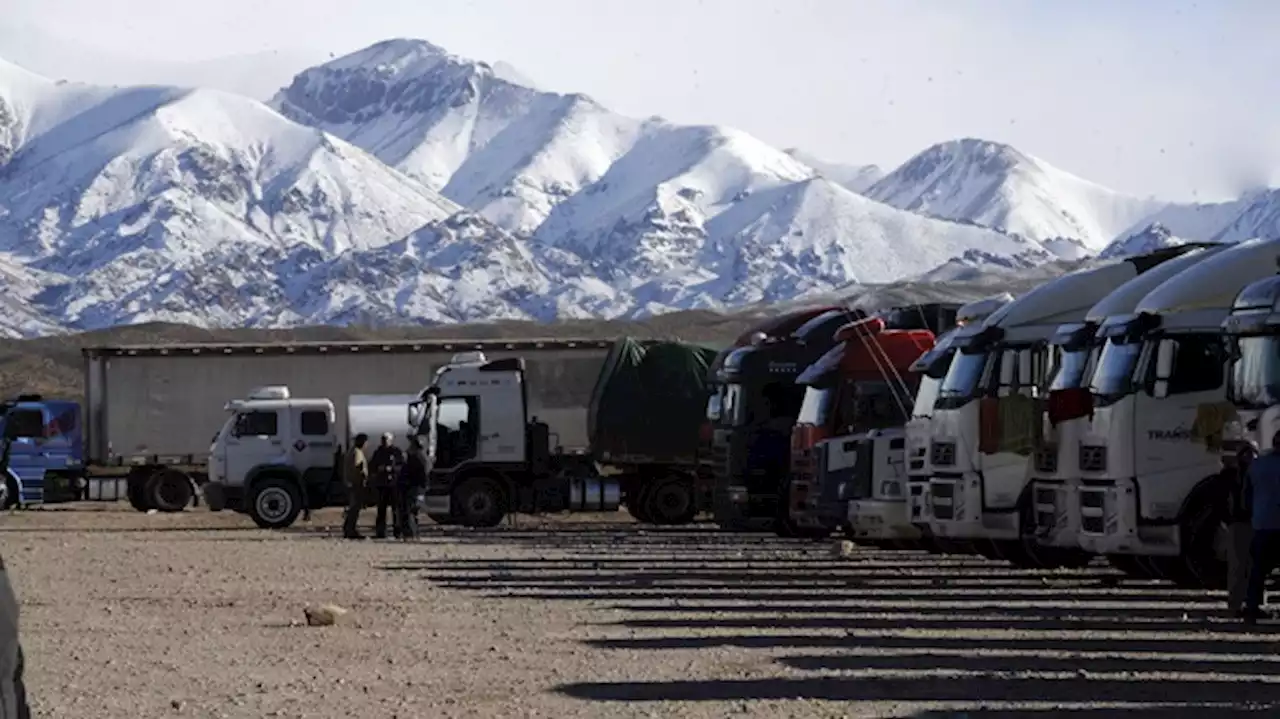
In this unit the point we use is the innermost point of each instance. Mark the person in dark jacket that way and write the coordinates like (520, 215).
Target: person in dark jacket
(384, 467)
(1239, 529)
(411, 481)
(1263, 487)
(13, 691)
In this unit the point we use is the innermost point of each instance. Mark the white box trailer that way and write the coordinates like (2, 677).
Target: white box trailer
(151, 412)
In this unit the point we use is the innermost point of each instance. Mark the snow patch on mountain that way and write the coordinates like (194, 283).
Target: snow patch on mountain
(997, 186)
(1154, 236)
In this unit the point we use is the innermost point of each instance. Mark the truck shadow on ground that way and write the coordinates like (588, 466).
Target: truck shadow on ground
(881, 626)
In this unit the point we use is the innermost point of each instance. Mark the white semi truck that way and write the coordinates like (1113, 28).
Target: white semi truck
(932, 368)
(1055, 474)
(1253, 381)
(1149, 463)
(986, 417)
(277, 455)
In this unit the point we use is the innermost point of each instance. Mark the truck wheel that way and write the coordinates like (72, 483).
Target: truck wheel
(1200, 566)
(670, 502)
(274, 503)
(479, 503)
(136, 490)
(638, 503)
(169, 491)
(9, 494)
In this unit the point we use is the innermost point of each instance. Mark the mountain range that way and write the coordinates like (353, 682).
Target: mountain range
(404, 184)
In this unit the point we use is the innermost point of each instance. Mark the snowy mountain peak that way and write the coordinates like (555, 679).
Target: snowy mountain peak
(1155, 236)
(398, 56)
(995, 185)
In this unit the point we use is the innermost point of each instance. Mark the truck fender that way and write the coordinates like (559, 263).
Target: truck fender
(1208, 489)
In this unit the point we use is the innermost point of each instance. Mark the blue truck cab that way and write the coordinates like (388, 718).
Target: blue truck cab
(43, 451)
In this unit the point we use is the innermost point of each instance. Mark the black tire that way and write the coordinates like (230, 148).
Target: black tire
(638, 502)
(670, 502)
(442, 519)
(11, 497)
(274, 502)
(169, 491)
(1199, 566)
(136, 491)
(479, 502)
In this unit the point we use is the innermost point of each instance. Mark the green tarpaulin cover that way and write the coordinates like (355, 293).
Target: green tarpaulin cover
(650, 399)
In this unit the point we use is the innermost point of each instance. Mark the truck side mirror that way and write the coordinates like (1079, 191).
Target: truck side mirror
(1164, 359)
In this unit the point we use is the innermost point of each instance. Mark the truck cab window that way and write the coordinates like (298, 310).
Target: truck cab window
(1197, 364)
(313, 423)
(456, 431)
(24, 423)
(257, 424)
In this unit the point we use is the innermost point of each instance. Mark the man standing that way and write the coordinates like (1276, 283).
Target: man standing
(1263, 486)
(355, 471)
(13, 693)
(384, 467)
(1239, 530)
(412, 480)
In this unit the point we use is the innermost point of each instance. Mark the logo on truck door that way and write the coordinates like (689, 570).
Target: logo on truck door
(1177, 434)
(299, 445)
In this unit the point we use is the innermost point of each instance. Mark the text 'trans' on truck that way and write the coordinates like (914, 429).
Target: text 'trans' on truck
(44, 449)
(847, 440)
(151, 411)
(1075, 349)
(494, 456)
(758, 407)
(1150, 464)
(987, 416)
(931, 368)
(277, 456)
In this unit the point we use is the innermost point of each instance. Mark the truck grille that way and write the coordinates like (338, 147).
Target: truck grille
(945, 491)
(1093, 458)
(943, 454)
(1047, 459)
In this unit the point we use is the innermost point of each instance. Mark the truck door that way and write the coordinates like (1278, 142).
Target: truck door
(457, 431)
(254, 440)
(313, 445)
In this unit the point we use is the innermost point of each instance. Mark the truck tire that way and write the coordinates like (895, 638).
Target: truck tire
(1199, 567)
(169, 490)
(9, 495)
(638, 501)
(479, 502)
(135, 486)
(670, 502)
(274, 502)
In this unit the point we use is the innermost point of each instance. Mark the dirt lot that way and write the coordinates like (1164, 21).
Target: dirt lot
(199, 615)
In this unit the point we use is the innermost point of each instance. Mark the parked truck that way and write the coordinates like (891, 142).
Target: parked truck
(847, 441)
(150, 412)
(1150, 458)
(1074, 348)
(495, 456)
(1252, 333)
(44, 451)
(986, 418)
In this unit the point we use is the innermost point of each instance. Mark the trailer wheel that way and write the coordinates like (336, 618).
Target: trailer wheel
(274, 502)
(169, 490)
(671, 502)
(479, 503)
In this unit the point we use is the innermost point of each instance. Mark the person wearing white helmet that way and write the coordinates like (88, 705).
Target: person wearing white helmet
(13, 693)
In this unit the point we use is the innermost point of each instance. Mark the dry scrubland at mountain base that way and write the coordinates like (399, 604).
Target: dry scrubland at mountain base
(130, 616)
(404, 185)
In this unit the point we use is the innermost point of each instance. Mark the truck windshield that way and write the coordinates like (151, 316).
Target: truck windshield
(964, 375)
(1114, 374)
(1255, 374)
(816, 407)
(1069, 367)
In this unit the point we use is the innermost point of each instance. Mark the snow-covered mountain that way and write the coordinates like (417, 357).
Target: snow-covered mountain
(858, 178)
(997, 186)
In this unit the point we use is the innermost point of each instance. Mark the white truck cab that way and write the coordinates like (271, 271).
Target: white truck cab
(1253, 381)
(492, 457)
(1148, 458)
(986, 418)
(1075, 349)
(271, 455)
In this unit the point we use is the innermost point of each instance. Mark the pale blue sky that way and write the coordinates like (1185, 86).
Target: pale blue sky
(1177, 99)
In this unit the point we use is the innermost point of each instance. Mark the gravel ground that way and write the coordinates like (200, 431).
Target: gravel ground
(133, 616)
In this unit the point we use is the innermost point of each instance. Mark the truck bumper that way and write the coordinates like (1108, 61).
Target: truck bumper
(881, 519)
(955, 505)
(219, 496)
(1056, 509)
(1109, 523)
